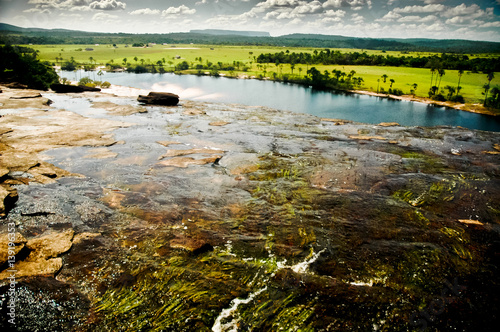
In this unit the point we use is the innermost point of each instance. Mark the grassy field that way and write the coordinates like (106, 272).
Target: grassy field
(472, 83)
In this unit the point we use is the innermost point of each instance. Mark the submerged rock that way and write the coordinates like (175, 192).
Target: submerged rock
(159, 98)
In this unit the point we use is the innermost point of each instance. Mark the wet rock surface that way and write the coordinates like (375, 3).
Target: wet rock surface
(211, 217)
(159, 98)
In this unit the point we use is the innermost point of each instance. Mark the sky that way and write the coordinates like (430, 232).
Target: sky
(438, 19)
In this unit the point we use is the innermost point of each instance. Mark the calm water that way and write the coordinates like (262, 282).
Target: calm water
(296, 98)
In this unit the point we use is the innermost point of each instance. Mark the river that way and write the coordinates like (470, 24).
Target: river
(296, 98)
(221, 217)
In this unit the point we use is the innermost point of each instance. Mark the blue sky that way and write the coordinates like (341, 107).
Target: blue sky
(440, 19)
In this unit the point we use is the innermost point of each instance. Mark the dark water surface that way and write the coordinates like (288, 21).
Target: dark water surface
(361, 108)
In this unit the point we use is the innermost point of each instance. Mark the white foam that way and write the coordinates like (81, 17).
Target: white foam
(232, 326)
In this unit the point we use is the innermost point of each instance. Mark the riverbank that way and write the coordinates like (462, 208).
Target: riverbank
(473, 108)
(217, 217)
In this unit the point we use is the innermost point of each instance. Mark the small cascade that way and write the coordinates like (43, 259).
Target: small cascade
(226, 313)
(232, 326)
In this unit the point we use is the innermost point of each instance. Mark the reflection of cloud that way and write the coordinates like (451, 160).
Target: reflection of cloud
(177, 89)
(216, 96)
(185, 93)
(125, 91)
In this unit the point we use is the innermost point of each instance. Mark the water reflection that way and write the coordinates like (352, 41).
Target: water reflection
(301, 99)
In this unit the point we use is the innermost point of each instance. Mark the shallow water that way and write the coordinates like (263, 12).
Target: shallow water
(301, 99)
(271, 221)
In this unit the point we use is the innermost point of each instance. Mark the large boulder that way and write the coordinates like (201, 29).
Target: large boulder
(159, 98)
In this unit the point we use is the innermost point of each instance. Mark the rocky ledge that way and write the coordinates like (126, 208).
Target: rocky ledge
(212, 217)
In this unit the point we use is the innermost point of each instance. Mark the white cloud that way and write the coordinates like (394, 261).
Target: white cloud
(354, 4)
(145, 11)
(495, 24)
(420, 9)
(389, 17)
(308, 8)
(72, 3)
(431, 2)
(356, 18)
(107, 5)
(436, 27)
(104, 17)
(335, 13)
(473, 11)
(278, 3)
(72, 16)
(176, 11)
(329, 20)
(418, 19)
(37, 10)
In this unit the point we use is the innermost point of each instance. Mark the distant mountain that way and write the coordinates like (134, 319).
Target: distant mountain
(17, 35)
(218, 32)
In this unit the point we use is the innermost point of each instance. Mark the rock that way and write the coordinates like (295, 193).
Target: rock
(50, 245)
(38, 268)
(43, 260)
(389, 124)
(16, 238)
(184, 162)
(240, 163)
(195, 246)
(27, 96)
(177, 153)
(366, 137)
(8, 197)
(219, 123)
(65, 88)
(3, 172)
(16, 85)
(159, 98)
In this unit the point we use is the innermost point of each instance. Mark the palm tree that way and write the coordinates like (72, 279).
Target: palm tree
(433, 70)
(135, 59)
(441, 73)
(486, 88)
(392, 82)
(384, 77)
(378, 83)
(451, 91)
(460, 73)
(292, 67)
(490, 76)
(414, 86)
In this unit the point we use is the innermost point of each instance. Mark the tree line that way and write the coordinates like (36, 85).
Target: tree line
(328, 57)
(21, 64)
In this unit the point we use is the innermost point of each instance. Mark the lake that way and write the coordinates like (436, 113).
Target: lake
(296, 98)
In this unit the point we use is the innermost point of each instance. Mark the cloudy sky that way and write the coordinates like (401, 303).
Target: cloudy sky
(462, 19)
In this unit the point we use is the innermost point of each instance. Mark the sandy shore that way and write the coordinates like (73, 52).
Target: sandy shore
(473, 108)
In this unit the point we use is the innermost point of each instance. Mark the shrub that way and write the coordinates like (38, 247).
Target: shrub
(458, 99)
(85, 81)
(439, 97)
(69, 66)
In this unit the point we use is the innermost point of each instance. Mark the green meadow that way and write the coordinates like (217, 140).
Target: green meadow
(404, 78)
